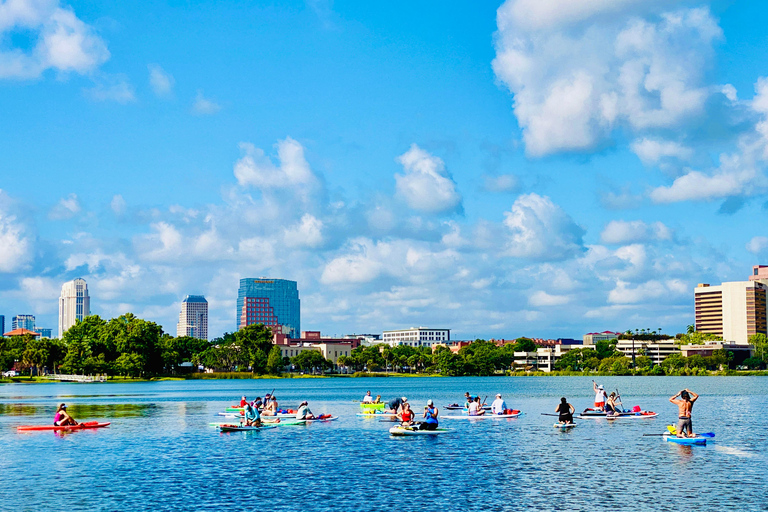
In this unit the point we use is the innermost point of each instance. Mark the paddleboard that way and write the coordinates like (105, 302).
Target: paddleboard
(331, 418)
(371, 405)
(81, 426)
(631, 415)
(238, 428)
(564, 426)
(483, 416)
(685, 440)
(407, 431)
(462, 408)
(375, 414)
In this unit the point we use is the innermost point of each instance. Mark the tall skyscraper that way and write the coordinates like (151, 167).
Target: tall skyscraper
(44, 332)
(272, 302)
(193, 319)
(24, 322)
(74, 304)
(2, 325)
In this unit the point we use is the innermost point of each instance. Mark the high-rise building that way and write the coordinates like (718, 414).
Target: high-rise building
(272, 302)
(44, 333)
(2, 325)
(734, 310)
(193, 318)
(24, 322)
(74, 304)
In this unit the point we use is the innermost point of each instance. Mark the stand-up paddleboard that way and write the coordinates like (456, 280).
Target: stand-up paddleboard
(462, 408)
(239, 428)
(376, 414)
(623, 415)
(483, 416)
(327, 418)
(564, 426)
(80, 426)
(412, 431)
(685, 440)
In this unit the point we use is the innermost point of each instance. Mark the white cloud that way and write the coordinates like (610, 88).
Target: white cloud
(426, 186)
(165, 244)
(160, 80)
(622, 232)
(62, 41)
(624, 293)
(579, 70)
(66, 208)
(256, 169)
(757, 245)
(501, 183)
(308, 233)
(16, 246)
(541, 230)
(204, 106)
(542, 298)
(651, 151)
(115, 88)
(118, 205)
(730, 180)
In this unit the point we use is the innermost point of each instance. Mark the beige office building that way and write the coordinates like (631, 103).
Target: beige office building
(193, 318)
(74, 304)
(734, 310)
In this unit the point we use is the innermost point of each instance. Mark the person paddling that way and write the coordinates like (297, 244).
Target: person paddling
(684, 406)
(430, 417)
(270, 408)
(611, 408)
(475, 409)
(565, 412)
(499, 406)
(599, 396)
(303, 413)
(62, 417)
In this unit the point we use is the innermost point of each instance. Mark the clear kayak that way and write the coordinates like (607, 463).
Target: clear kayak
(483, 416)
(414, 431)
(685, 440)
(80, 426)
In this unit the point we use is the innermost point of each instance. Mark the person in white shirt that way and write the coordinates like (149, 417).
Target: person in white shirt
(499, 405)
(475, 409)
(368, 399)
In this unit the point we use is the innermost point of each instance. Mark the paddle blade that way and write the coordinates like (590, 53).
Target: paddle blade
(707, 434)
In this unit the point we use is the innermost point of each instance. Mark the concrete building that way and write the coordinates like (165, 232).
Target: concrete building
(272, 302)
(330, 348)
(416, 337)
(44, 332)
(740, 352)
(546, 357)
(74, 304)
(591, 338)
(193, 318)
(733, 310)
(657, 351)
(367, 339)
(23, 322)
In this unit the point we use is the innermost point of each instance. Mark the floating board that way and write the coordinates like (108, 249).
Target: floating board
(330, 418)
(371, 405)
(81, 426)
(376, 414)
(483, 416)
(462, 408)
(238, 428)
(685, 440)
(564, 426)
(408, 431)
(628, 415)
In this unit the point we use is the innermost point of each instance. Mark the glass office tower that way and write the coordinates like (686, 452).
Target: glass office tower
(272, 302)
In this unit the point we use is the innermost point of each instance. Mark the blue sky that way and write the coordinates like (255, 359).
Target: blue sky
(543, 168)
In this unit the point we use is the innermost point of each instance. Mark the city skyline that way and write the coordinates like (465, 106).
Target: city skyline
(495, 169)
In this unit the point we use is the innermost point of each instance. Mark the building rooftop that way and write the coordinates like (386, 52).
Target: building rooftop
(21, 332)
(195, 298)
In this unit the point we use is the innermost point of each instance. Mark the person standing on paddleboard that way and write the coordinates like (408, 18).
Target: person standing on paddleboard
(599, 396)
(684, 406)
(565, 411)
(430, 417)
(499, 406)
(62, 417)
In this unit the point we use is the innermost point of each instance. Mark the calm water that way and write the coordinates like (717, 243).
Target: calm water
(161, 454)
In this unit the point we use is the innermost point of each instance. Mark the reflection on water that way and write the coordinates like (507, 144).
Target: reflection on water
(160, 453)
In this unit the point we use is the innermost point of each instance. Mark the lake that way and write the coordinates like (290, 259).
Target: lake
(160, 453)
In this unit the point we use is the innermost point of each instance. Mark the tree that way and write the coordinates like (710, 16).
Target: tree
(275, 361)
(309, 360)
(449, 364)
(753, 363)
(256, 342)
(525, 345)
(606, 349)
(760, 342)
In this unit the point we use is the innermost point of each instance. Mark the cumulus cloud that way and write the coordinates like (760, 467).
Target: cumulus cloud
(66, 208)
(204, 106)
(623, 232)
(539, 229)
(624, 293)
(161, 81)
(15, 243)
(425, 185)
(256, 169)
(542, 298)
(307, 233)
(757, 245)
(579, 70)
(651, 151)
(61, 41)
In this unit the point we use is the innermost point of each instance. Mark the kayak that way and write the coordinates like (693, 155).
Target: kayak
(409, 431)
(238, 428)
(81, 426)
(483, 416)
(685, 440)
(564, 426)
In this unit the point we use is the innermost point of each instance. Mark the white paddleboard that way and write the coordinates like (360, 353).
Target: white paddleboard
(408, 431)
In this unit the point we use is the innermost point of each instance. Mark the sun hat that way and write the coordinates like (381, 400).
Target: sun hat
(498, 395)
(429, 402)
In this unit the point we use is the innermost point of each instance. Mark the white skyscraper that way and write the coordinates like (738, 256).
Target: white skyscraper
(74, 304)
(193, 319)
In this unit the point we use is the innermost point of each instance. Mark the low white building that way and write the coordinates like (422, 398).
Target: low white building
(657, 351)
(592, 338)
(416, 337)
(546, 357)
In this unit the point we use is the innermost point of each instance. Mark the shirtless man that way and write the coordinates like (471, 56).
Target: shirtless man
(684, 405)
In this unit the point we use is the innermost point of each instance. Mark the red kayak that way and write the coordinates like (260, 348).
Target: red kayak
(81, 426)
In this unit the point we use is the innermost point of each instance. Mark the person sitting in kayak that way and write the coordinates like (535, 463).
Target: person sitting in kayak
(405, 415)
(499, 406)
(251, 415)
(599, 396)
(430, 417)
(396, 403)
(303, 412)
(62, 418)
(368, 399)
(475, 409)
(684, 406)
(243, 401)
(565, 411)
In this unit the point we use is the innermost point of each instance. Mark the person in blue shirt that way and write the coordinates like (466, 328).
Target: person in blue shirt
(251, 415)
(430, 417)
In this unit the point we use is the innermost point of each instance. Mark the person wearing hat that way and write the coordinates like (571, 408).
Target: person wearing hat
(243, 401)
(396, 403)
(430, 417)
(600, 396)
(62, 417)
(499, 405)
(303, 412)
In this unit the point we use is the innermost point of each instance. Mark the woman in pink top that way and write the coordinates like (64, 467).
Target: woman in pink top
(62, 417)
